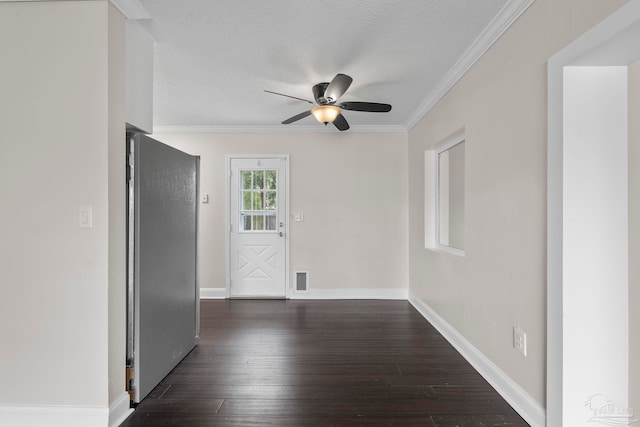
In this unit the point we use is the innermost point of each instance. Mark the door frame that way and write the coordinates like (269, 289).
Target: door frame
(609, 43)
(227, 234)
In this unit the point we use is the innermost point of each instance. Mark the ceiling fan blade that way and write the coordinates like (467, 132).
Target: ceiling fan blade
(289, 96)
(337, 87)
(341, 123)
(372, 107)
(297, 117)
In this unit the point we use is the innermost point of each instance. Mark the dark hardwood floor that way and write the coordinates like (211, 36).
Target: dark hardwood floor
(321, 363)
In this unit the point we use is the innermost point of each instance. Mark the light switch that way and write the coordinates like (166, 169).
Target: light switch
(298, 217)
(204, 198)
(85, 217)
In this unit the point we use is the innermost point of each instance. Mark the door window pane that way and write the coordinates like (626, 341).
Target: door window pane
(270, 200)
(258, 180)
(258, 200)
(270, 180)
(246, 200)
(258, 222)
(271, 222)
(246, 180)
(246, 222)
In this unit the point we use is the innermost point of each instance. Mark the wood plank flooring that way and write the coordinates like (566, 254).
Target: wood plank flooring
(321, 363)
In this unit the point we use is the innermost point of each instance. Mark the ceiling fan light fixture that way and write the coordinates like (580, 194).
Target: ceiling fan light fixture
(325, 113)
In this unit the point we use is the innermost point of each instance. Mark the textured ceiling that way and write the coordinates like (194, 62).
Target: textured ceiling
(214, 59)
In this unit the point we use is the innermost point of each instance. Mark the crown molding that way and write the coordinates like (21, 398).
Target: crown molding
(502, 21)
(273, 129)
(131, 9)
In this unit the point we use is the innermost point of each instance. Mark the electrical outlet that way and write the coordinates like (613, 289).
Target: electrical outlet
(520, 340)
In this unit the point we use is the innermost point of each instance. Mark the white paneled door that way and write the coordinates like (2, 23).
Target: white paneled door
(257, 227)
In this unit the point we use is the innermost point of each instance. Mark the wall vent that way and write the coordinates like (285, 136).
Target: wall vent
(302, 281)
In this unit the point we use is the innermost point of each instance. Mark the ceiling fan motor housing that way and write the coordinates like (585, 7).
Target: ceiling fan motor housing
(318, 94)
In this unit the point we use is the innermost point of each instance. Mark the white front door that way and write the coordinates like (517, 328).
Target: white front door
(257, 220)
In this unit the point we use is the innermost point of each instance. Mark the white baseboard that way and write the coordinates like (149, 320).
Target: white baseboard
(383, 294)
(119, 410)
(213, 293)
(53, 416)
(520, 400)
(66, 416)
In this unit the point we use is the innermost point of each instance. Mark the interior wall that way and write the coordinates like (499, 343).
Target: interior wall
(351, 189)
(501, 103)
(634, 238)
(53, 160)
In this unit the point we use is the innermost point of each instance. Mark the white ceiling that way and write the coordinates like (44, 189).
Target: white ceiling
(214, 59)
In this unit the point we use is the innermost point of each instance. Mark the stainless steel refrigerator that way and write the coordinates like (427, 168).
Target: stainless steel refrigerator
(162, 289)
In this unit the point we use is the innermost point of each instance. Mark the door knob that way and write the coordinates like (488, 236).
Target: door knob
(281, 234)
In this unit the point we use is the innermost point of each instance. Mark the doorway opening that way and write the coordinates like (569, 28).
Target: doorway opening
(258, 238)
(588, 340)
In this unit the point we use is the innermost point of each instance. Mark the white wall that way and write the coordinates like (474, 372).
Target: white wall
(634, 237)
(501, 103)
(352, 190)
(57, 150)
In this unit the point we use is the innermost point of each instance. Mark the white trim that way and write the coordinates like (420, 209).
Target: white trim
(119, 410)
(131, 9)
(273, 129)
(213, 293)
(287, 230)
(227, 230)
(502, 21)
(432, 194)
(353, 293)
(53, 416)
(458, 138)
(452, 140)
(530, 410)
(449, 250)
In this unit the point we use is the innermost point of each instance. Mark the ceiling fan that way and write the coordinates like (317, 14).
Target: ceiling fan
(327, 111)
